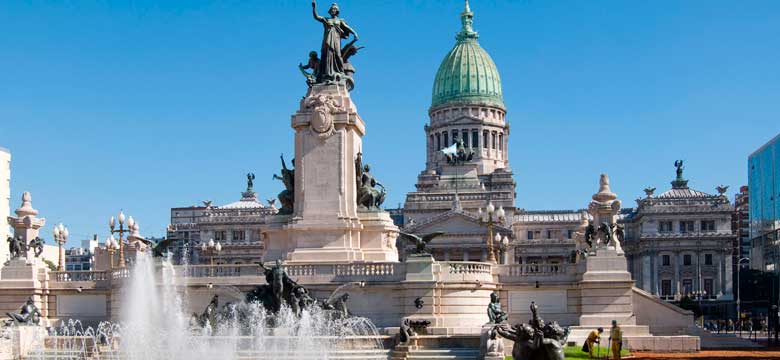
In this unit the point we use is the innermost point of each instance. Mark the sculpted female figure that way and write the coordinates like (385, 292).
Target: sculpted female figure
(331, 66)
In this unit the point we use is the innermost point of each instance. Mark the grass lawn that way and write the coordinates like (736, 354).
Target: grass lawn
(575, 352)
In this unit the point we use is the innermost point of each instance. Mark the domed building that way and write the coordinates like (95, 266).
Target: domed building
(467, 158)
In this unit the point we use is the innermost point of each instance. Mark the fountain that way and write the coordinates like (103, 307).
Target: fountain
(154, 325)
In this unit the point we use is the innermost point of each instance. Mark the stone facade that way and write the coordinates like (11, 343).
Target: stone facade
(680, 243)
(547, 237)
(183, 231)
(237, 227)
(5, 201)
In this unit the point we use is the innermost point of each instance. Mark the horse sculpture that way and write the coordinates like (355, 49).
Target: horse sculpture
(36, 245)
(17, 247)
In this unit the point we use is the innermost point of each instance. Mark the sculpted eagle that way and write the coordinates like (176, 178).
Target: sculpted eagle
(420, 241)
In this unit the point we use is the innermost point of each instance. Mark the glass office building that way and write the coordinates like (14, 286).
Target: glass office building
(764, 185)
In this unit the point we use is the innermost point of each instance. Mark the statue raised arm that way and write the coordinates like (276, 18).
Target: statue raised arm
(332, 63)
(314, 12)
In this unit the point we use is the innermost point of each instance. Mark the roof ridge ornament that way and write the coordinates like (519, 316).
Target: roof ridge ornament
(679, 182)
(467, 21)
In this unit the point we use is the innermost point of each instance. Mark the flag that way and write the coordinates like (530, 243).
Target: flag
(451, 150)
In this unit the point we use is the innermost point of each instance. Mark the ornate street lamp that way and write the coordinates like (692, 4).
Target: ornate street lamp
(699, 295)
(210, 249)
(111, 247)
(488, 218)
(504, 247)
(61, 236)
(121, 231)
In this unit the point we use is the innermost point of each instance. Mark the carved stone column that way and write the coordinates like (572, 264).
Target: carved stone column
(676, 285)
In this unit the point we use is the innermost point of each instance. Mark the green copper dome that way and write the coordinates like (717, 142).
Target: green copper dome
(467, 74)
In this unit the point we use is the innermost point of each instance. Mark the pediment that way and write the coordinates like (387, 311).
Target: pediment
(453, 222)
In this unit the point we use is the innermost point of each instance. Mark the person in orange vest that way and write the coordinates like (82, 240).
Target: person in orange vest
(593, 338)
(616, 340)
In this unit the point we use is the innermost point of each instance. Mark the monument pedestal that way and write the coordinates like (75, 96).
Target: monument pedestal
(606, 293)
(377, 239)
(325, 224)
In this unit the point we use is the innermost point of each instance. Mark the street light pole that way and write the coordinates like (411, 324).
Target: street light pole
(61, 237)
(121, 231)
(111, 247)
(489, 218)
(211, 248)
(739, 291)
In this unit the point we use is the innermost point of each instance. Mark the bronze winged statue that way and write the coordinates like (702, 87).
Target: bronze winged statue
(420, 241)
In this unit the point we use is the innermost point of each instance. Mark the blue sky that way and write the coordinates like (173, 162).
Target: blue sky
(147, 105)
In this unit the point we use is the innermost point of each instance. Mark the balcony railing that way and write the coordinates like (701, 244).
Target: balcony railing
(515, 273)
(70, 276)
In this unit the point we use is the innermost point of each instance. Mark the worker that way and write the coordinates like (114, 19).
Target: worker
(616, 340)
(593, 338)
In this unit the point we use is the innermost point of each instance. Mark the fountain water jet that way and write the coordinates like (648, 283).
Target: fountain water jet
(155, 325)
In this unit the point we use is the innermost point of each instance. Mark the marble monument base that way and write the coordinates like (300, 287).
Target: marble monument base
(606, 290)
(370, 238)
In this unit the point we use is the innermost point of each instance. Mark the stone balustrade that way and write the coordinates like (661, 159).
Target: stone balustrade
(338, 273)
(72, 276)
(466, 271)
(468, 267)
(219, 270)
(514, 273)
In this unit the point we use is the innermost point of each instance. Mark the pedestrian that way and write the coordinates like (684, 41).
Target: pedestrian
(593, 339)
(616, 340)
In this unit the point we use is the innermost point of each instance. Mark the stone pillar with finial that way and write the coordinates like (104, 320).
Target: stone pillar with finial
(24, 277)
(604, 208)
(26, 223)
(605, 282)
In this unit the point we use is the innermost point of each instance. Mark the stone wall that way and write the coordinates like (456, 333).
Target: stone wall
(662, 317)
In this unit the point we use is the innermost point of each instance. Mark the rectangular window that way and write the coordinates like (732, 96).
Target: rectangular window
(446, 140)
(707, 259)
(687, 260)
(708, 225)
(484, 139)
(530, 235)
(664, 226)
(454, 136)
(666, 260)
(432, 142)
(569, 234)
(220, 235)
(708, 289)
(493, 137)
(686, 227)
(475, 138)
(501, 141)
(666, 287)
(687, 285)
(438, 142)
(549, 234)
(465, 137)
(238, 235)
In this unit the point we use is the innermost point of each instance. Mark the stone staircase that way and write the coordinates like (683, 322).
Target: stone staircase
(438, 347)
(406, 353)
